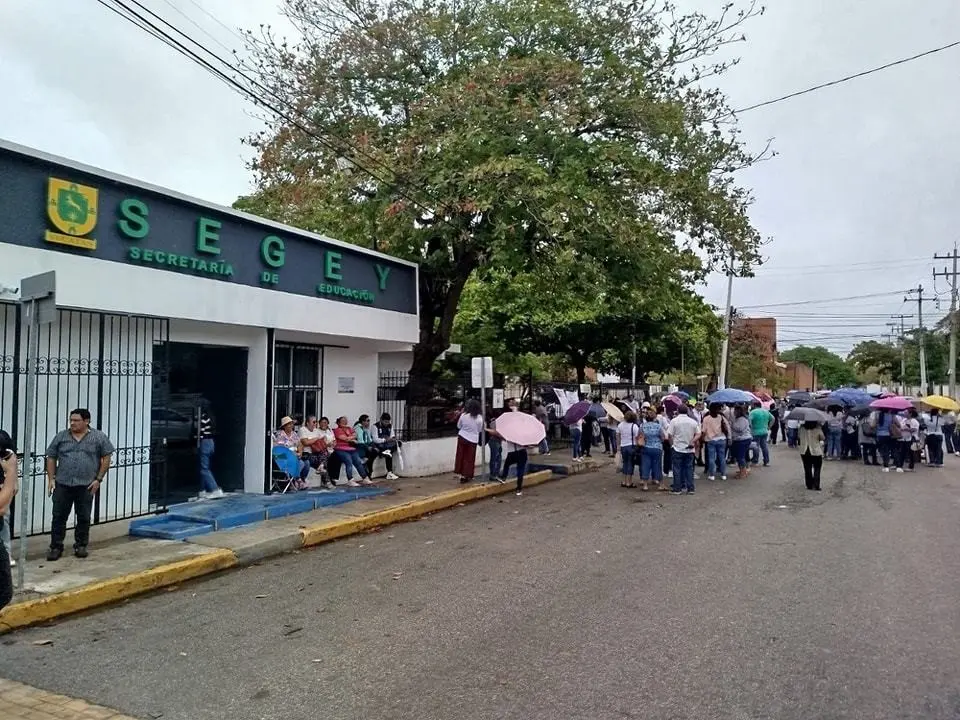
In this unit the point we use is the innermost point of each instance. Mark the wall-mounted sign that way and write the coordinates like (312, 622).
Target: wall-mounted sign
(345, 385)
(48, 205)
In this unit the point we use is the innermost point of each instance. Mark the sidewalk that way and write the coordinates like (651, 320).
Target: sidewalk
(124, 567)
(22, 702)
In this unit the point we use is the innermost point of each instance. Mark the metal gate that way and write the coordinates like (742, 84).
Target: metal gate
(112, 365)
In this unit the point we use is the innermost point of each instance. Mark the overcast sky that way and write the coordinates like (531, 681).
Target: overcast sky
(862, 194)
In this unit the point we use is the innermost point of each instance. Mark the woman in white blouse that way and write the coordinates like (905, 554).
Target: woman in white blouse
(469, 426)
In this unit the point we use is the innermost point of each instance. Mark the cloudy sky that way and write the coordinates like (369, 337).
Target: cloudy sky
(861, 195)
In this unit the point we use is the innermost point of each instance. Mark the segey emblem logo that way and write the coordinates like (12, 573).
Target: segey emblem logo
(72, 209)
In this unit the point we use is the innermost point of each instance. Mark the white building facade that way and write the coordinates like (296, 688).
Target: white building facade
(166, 304)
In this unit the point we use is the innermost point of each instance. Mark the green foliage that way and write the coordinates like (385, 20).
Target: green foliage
(832, 370)
(882, 358)
(591, 315)
(506, 136)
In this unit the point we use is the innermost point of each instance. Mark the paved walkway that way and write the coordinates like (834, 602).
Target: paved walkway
(22, 702)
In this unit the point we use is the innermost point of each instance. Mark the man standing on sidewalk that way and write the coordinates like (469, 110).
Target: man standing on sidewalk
(683, 432)
(77, 461)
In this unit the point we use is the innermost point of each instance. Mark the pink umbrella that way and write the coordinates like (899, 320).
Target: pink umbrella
(895, 403)
(520, 428)
(671, 400)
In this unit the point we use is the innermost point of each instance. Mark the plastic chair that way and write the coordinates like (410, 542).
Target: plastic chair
(285, 469)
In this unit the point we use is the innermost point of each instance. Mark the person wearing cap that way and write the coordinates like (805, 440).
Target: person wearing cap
(289, 438)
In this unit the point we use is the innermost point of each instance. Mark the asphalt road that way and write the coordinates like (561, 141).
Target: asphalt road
(751, 599)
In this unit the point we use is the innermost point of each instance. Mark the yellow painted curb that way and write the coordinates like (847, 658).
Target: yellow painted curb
(334, 529)
(31, 612)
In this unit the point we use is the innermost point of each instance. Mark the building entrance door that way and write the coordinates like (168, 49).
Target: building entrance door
(202, 376)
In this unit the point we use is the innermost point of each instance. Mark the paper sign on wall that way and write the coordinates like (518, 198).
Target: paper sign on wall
(498, 397)
(345, 385)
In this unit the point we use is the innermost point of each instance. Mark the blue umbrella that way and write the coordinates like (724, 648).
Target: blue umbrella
(681, 394)
(730, 396)
(849, 397)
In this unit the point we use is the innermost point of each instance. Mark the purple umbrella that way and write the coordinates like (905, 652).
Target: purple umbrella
(672, 400)
(576, 412)
(895, 403)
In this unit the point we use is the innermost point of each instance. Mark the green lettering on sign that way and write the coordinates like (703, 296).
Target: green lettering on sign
(272, 251)
(133, 219)
(331, 266)
(207, 236)
(382, 274)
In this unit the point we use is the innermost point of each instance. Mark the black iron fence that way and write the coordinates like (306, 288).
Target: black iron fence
(107, 364)
(434, 417)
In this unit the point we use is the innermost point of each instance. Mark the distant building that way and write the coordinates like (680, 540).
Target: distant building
(800, 376)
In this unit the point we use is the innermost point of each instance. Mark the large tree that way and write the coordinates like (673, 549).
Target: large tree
(466, 134)
(882, 358)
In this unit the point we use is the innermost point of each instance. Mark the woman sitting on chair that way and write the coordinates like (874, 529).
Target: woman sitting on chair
(317, 441)
(287, 437)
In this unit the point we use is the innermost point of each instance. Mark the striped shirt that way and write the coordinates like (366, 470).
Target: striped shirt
(206, 430)
(78, 460)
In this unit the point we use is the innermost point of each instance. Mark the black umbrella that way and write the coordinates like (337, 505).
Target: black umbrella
(798, 398)
(861, 411)
(822, 404)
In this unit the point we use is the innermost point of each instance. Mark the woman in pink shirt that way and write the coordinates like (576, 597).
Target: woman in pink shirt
(345, 448)
(716, 432)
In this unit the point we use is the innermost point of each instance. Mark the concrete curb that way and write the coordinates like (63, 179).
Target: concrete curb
(87, 597)
(31, 612)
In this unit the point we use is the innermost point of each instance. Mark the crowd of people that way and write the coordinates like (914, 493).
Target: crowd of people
(315, 446)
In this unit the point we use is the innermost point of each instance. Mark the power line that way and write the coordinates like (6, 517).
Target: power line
(826, 300)
(848, 78)
(145, 24)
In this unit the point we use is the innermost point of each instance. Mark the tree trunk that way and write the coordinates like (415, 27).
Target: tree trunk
(439, 300)
(581, 365)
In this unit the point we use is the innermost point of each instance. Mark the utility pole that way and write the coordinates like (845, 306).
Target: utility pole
(923, 356)
(903, 351)
(952, 274)
(727, 312)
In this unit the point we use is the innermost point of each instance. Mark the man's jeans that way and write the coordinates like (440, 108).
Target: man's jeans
(65, 499)
(682, 471)
(206, 457)
(949, 437)
(717, 457)
(496, 455)
(834, 442)
(761, 441)
(6, 578)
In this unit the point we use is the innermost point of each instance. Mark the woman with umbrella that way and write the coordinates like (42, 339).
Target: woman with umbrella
(934, 439)
(811, 449)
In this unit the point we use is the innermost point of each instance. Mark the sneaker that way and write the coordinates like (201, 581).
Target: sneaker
(886, 469)
(13, 563)
(519, 493)
(387, 453)
(723, 477)
(691, 492)
(352, 483)
(711, 478)
(54, 554)
(501, 480)
(676, 492)
(899, 470)
(214, 494)
(392, 476)
(366, 482)
(670, 474)
(80, 551)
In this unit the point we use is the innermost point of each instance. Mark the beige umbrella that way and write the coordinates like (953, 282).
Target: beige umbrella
(613, 411)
